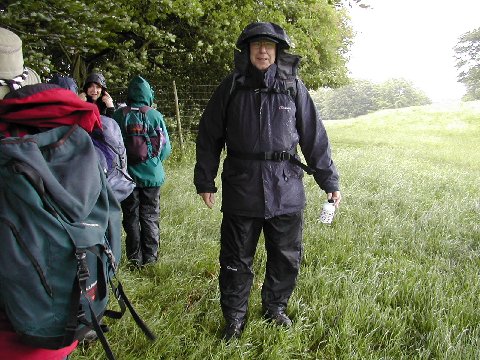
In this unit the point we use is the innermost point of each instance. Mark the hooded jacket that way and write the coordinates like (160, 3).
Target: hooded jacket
(149, 173)
(260, 116)
(98, 79)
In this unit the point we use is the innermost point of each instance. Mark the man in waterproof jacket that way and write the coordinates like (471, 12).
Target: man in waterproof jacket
(261, 112)
(141, 209)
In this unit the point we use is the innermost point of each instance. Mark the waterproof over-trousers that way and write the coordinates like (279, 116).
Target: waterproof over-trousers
(141, 213)
(283, 244)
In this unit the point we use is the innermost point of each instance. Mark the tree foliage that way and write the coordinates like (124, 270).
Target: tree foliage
(190, 41)
(361, 97)
(467, 54)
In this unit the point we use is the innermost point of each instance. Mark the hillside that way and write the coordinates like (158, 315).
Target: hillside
(394, 277)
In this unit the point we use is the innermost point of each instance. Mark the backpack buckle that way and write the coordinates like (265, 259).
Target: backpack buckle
(110, 257)
(280, 156)
(82, 266)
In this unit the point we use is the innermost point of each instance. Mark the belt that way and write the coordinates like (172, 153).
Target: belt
(272, 156)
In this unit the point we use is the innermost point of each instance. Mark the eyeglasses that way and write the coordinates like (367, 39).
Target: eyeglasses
(267, 44)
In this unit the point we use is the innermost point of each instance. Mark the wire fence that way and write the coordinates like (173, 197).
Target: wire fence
(181, 104)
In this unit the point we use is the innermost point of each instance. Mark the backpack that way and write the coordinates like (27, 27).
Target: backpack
(61, 239)
(113, 158)
(65, 82)
(141, 140)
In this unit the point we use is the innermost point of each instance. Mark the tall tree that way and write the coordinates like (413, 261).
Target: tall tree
(191, 41)
(399, 93)
(467, 54)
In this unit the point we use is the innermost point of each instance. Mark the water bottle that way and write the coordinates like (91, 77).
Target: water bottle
(328, 211)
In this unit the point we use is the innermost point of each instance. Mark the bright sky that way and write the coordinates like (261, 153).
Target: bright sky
(414, 40)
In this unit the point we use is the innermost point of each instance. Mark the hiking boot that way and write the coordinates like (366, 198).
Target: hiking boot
(90, 337)
(278, 317)
(134, 264)
(149, 261)
(233, 329)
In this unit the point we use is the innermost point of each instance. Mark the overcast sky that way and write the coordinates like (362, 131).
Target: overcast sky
(412, 39)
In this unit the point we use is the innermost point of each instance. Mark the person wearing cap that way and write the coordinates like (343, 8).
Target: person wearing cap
(95, 91)
(13, 73)
(261, 112)
(14, 79)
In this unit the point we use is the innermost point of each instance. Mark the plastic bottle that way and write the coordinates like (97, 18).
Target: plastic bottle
(328, 211)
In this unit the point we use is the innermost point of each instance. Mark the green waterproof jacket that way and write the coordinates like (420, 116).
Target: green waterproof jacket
(150, 172)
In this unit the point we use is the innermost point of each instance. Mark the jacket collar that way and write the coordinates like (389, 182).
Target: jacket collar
(286, 64)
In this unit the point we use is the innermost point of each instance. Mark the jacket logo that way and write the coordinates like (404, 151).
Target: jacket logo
(90, 224)
(281, 107)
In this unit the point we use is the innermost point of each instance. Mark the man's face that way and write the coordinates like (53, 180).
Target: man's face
(94, 91)
(262, 53)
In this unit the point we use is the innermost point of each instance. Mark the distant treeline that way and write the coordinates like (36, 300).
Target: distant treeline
(361, 97)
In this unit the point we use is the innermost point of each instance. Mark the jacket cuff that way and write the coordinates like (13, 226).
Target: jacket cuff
(206, 189)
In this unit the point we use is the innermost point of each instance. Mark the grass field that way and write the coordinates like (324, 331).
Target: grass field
(395, 277)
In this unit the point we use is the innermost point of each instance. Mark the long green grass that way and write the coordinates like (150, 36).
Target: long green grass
(395, 277)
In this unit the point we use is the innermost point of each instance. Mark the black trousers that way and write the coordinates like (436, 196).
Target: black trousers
(141, 213)
(239, 239)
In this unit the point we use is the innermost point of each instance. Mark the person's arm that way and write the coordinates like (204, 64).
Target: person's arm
(210, 142)
(315, 144)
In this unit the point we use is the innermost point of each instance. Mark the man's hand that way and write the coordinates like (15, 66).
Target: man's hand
(208, 199)
(336, 196)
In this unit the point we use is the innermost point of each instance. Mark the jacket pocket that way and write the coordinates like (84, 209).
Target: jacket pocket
(235, 177)
(292, 171)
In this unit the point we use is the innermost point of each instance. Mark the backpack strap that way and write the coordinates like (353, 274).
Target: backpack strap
(290, 89)
(123, 300)
(124, 303)
(143, 109)
(76, 313)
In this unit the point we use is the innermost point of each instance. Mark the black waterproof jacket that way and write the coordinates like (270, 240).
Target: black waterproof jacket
(249, 120)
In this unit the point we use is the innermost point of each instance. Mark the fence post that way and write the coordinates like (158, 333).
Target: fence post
(179, 124)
